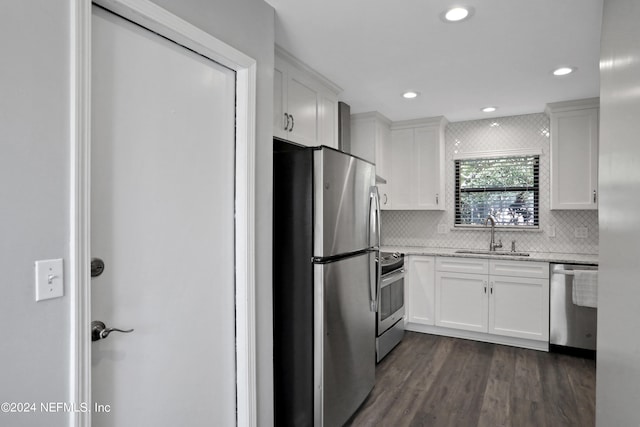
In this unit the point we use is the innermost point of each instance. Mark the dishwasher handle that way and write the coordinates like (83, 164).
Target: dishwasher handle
(568, 272)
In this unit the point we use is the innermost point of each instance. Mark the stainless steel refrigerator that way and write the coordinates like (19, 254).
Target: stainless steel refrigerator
(326, 232)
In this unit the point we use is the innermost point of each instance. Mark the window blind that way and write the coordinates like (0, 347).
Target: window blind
(505, 187)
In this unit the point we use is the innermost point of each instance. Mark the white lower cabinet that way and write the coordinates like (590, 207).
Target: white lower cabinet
(419, 290)
(519, 307)
(461, 301)
(505, 298)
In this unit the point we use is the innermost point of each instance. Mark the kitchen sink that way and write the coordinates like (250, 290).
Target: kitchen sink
(497, 253)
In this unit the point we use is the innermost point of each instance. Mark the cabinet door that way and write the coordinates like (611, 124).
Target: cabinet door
(363, 137)
(385, 197)
(420, 290)
(383, 139)
(428, 181)
(402, 164)
(461, 301)
(574, 159)
(519, 307)
(302, 106)
(279, 103)
(328, 121)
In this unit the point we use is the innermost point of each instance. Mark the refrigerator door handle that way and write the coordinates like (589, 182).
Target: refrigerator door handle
(374, 218)
(373, 283)
(374, 230)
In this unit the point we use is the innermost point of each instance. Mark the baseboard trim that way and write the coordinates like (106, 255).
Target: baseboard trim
(478, 336)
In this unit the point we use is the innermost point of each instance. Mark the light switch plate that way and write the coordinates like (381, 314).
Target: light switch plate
(581, 232)
(49, 279)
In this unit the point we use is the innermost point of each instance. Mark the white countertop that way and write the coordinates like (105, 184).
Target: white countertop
(533, 256)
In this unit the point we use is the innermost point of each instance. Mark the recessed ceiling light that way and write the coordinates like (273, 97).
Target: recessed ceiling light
(489, 109)
(456, 14)
(410, 94)
(563, 71)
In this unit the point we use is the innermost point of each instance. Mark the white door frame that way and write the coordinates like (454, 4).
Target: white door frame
(157, 19)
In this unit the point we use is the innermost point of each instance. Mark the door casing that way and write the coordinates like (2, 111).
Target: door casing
(159, 20)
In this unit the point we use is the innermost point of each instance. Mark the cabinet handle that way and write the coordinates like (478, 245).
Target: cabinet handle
(385, 199)
(491, 288)
(437, 201)
(286, 126)
(292, 122)
(594, 196)
(485, 287)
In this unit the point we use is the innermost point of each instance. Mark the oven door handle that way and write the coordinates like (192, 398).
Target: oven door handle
(392, 277)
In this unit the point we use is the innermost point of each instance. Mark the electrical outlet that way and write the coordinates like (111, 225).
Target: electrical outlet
(442, 228)
(581, 232)
(49, 279)
(551, 230)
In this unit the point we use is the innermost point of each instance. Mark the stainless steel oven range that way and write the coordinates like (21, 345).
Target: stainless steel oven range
(390, 316)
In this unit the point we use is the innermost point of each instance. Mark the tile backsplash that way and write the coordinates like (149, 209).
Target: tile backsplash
(558, 229)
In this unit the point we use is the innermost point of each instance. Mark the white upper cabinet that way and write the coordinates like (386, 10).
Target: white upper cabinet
(305, 107)
(416, 175)
(574, 154)
(370, 140)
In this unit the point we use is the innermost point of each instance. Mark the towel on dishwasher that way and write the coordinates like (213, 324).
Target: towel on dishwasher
(585, 288)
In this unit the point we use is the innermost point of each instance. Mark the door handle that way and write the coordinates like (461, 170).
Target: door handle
(293, 123)
(99, 330)
(286, 125)
(97, 267)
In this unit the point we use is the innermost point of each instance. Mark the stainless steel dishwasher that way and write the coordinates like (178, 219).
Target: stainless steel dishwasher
(572, 328)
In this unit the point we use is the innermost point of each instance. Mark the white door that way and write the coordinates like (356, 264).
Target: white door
(162, 203)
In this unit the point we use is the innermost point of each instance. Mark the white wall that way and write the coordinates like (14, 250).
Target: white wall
(34, 198)
(34, 182)
(618, 373)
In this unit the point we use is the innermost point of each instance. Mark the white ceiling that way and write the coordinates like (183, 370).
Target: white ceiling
(503, 56)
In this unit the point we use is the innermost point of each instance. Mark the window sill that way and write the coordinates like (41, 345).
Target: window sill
(497, 228)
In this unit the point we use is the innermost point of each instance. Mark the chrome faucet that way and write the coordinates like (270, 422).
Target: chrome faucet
(493, 245)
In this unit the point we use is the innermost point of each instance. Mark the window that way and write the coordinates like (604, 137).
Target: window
(505, 187)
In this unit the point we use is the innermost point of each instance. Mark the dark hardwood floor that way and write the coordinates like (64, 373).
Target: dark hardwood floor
(435, 381)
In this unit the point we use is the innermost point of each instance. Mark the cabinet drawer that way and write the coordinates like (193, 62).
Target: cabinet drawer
(462, 265)
(532, 269)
